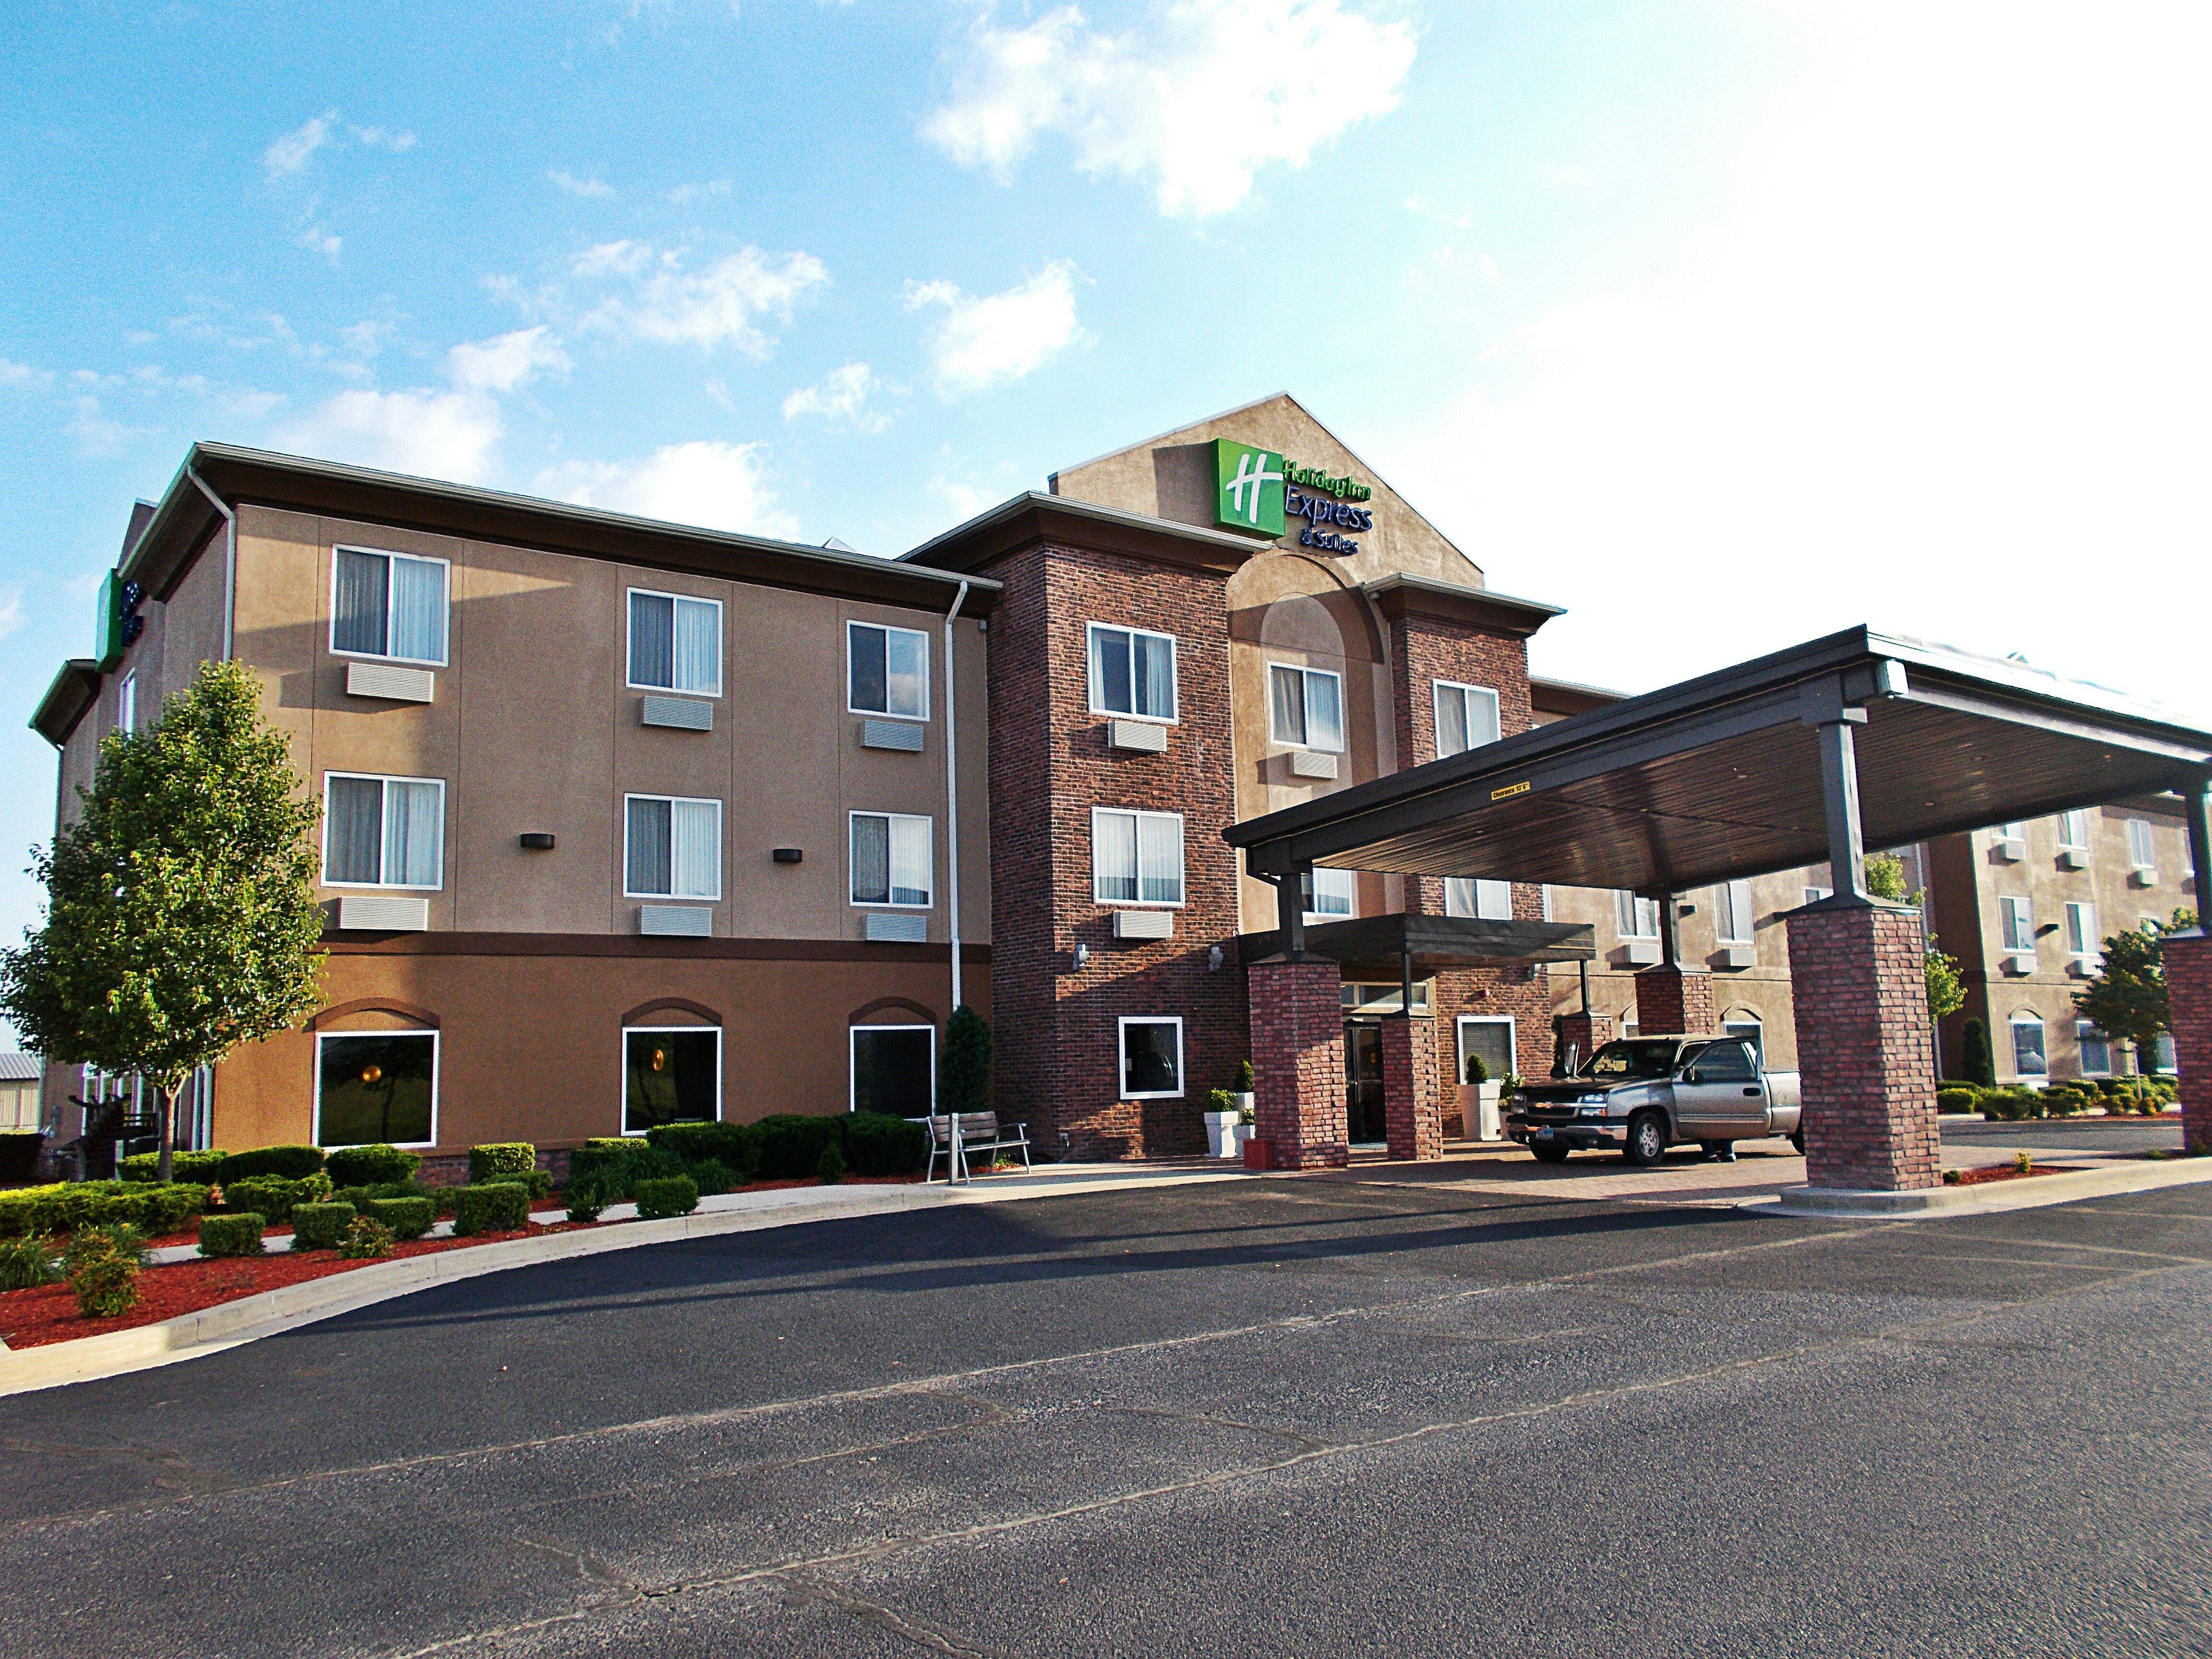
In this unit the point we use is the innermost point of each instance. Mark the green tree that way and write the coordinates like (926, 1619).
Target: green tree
(1947, 991)
(1981, 1066)
(964, 1072)
(180, 906)
(1885, 876)
(2127, 997)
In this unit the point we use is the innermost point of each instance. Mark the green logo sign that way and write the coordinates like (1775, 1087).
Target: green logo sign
(1249, 488)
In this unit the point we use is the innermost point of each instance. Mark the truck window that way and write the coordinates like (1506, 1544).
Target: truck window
(1634, 1061)
(1725, 1063)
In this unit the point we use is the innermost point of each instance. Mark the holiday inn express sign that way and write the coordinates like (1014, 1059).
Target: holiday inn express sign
(1260, 490)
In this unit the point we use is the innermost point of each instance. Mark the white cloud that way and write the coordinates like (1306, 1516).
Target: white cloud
(290, 153)
(966, 499)
(317, 239)
(95, 432)
(1198, 99)
(590, 190)
(383, 138)
(992, 340)
(507, 362)
(722, 305)
(22, 374)
(1939, 367)
(720, 486)
(841, 398)
(622, 259)
(11, 610)
(433, 434)
(684, 195)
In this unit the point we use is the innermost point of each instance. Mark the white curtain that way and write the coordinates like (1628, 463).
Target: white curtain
(1335, 892)
(1155, 676)
(646, 861)
(1114, 856)
(1109, 671)
(695, 830)
(1324, 713)
(418, 610)
(906, 668)
(1452, 721)
(1289, 712)
(910, 860)
(1459, 896)
(872, 859)
(1493, 900)
(353, 812)
(414, 834)
(698, 648)
(1159, 861)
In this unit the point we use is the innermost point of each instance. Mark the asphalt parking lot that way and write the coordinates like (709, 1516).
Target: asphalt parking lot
(1346, 1415)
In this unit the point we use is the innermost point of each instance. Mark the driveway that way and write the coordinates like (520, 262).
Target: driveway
(1352, 1414)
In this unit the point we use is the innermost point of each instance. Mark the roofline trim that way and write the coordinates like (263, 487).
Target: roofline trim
(1038, 501)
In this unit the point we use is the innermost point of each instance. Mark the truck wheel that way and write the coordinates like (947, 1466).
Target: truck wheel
(1551, 1153)
(1647, 1139)
(1798, 1139)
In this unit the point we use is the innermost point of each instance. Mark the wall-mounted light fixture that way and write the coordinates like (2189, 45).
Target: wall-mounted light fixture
(1082, 955)
(1214, 959)
(536, 840)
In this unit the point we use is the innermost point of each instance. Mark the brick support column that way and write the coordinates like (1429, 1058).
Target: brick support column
(1671, 1000)
(1587, 1032)
(1413, 1120)
(1298, 1063)
(2188, 959)
(1864, 1050)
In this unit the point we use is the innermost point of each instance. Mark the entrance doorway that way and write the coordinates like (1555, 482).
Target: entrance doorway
(1363, 1081)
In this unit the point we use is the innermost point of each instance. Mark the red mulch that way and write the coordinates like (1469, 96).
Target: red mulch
(2009, 1172)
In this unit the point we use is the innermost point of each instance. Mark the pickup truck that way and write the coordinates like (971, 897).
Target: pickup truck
(1641, 1095)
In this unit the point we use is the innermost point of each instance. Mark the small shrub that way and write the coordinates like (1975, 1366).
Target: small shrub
(231, 1234)
(1950, 1177)
(408, 1217)
(27, 1263)
(274, 1198)
(1958, 1100)
(321, 1226)
(502, 1159)
(829, 1168)
(1244, 1083)
(1477, 1072)
(292, 1162)
(206, 1167)
(711, 1177)
(792, 1144)
(495, 1206)
(735, 1146)
(103, 1271)
(378, 1165)
(2024, 1161)
(664, 1196)
(365, 1240)
(587, 1200)
(1220, 1100)
(878, 1145)
(362, 1197)
(600, 1157)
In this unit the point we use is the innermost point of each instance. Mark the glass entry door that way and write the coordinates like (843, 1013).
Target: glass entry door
(1363, 1081)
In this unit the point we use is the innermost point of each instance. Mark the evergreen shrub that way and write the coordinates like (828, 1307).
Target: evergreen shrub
(378, 1165)
(408, 1217)
(496, 1207)
(876, 1145)
(321, 1226)
(231, 1234)
(292, 1162)
(665, 1196)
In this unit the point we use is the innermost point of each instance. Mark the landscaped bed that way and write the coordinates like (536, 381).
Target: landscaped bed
(2005, 1172)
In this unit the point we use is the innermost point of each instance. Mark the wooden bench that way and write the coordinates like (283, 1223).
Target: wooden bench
(980, 1131)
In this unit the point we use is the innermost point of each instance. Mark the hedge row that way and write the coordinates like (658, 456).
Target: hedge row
(66, 1207)
(2070, 1097)
(273, 1197)
(497, 1207)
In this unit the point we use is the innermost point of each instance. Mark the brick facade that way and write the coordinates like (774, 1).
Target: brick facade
(1588, 1033)
(1675, 1001)
(1864, 1052)
(1298, 1063)
(2188, 961)
(1414, 1123)
(1058, 1030)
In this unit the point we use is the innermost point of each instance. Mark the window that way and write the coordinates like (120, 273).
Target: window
(2162, 1058)
(893, 860)
(1814, 895)
(1151, 1059)
(383, 832)
(1734, 914)
(1466, 717)
(1136, 858)
(1132, 672)
(672, 848)
(1490, 1040)
(1471, 896)
(2028, 1057)
(2082, 930)
(376, 1086)
(674, 643)
(1306, 707)
(2073, 832)
(1364, 997)
(671, 1074)
(2142, 854)
(2016, 920)
(1634, 916)
(1751, 1031)
(1725, 1063)
(2096, 1049)
(388, 604)
(2012, 832)
(887, 672)
(895, 1069)
(1335, 895)
(126, 705)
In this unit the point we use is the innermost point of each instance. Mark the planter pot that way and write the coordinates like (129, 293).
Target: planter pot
(1243, 1102)
(1221, 1134)
(1259, 1154)
(1478, 1111)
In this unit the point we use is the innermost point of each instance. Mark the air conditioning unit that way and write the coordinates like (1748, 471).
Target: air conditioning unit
(1640, 953)
(1312, 764)
(377, 914)
(2011, 852)
(2073, 858)
(904, 736)
(389, 683)
(1138, 737)
(2142, 875)
(676, 921)
(1143, 924)
(1736, 956)
(2019, 964)
(2080, 968)
(678, 713)
(885, 929)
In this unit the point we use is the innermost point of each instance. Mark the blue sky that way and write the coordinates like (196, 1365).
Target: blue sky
(1723, 325)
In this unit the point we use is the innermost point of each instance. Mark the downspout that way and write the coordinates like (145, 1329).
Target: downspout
(952, 791)
(229, 558)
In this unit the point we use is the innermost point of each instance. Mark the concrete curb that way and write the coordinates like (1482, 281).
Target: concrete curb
(1830, 1203)
(211, 1330)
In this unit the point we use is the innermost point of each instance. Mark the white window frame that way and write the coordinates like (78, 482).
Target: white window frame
(2010, 906)
(2073, 832)
(126, 705)
(437, 1076)
(1636, 903)
(2024, 1017)
(852, 817)
(2085, 1030)
(1727, 919)
(1814, 895)
(1122, 1057)
(387, 656)
(853, 1062)
(1454, 908)
(382, 886)
(1436, 690)
(721, 854)
(1459, 1041)
(1350, 879)
(1091, 670)
(2142, 851)
(621, 1073)
(2092, 947)
(1182, 860)
(1343, 715)
(629, 622)
(921, 634)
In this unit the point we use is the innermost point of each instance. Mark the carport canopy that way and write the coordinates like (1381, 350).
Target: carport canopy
(1808, 754)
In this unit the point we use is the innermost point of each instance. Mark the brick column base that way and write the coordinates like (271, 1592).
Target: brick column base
(1865, 1059)
(1298, 1063)
(1671, 1000)
(1413, 1120)
(2188, 959)
(1587, 1032)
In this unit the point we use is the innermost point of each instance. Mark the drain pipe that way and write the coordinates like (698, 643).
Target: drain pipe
(952, 793)
(229, 557)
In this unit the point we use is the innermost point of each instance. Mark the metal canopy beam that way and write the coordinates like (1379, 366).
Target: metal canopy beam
(1381, 945)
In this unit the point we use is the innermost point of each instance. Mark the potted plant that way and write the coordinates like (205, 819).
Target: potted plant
(1478, 1103)
(1243, 1091)
(1221, 1115)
